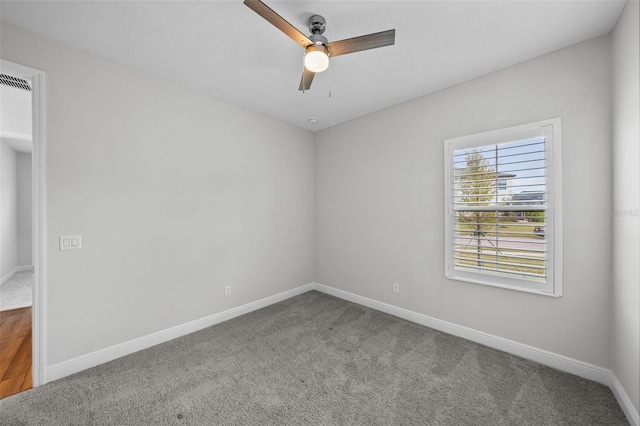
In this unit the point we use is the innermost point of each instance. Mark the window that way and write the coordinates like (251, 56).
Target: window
(503, 208)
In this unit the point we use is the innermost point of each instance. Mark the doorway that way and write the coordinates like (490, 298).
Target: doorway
(16, 263)
(22, 231)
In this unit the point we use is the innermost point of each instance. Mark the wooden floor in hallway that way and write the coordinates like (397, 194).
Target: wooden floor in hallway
(15, 351)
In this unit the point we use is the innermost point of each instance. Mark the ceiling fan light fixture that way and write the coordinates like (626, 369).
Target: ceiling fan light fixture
(316, 59)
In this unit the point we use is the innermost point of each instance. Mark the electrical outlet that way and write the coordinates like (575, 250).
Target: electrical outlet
(227, 291)
(396, 288)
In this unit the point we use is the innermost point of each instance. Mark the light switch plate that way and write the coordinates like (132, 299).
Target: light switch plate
(70, 242)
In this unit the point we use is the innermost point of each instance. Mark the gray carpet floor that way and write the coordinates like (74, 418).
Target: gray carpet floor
(318, 360)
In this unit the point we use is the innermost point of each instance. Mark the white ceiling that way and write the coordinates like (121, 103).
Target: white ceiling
(225, 49)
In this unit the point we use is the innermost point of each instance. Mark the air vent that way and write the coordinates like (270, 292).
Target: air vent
(18, 83)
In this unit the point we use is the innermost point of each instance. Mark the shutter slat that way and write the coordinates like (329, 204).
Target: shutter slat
(498, 209)
(482, 268)
(506, 264)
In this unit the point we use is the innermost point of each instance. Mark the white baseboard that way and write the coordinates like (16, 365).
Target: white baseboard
(7, 276)
(75, 365)
(625, 402)
(559, 362)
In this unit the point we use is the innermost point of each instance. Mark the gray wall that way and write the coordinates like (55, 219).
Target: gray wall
(626, 198)
(8, 211)
(176, 194)
(379, 202)
(24, 208)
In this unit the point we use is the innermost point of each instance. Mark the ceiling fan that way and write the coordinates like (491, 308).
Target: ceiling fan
(318, 49)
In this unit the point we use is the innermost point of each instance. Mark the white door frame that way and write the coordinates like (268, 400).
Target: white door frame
(37, 78)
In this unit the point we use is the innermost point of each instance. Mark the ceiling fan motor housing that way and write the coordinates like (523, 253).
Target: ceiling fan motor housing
(318, 39)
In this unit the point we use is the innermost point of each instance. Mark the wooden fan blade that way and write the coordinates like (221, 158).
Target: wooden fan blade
(365, 42)
(278, 21)
(307, 78)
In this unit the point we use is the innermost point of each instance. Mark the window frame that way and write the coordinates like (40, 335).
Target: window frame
(551, 130)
